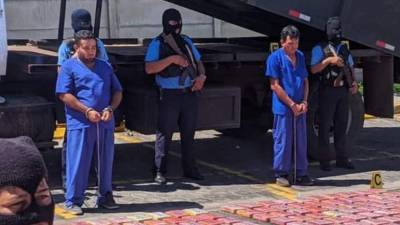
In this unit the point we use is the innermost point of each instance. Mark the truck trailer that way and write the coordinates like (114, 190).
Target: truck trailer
(237, 94)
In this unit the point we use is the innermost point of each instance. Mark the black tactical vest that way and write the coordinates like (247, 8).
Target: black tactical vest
(165, 51)
(330, 73)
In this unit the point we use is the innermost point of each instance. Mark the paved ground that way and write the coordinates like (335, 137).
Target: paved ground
(237, 170)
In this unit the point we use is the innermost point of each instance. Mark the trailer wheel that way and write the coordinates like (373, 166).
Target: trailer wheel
(355, 123)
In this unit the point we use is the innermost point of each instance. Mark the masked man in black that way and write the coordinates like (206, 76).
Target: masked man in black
(180, 75)
(332, 61)
(25, 197)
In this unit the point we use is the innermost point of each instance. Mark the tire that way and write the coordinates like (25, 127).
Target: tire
(355, 122)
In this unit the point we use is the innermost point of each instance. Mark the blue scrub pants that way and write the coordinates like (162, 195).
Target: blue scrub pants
(81, 145)
(283, 145)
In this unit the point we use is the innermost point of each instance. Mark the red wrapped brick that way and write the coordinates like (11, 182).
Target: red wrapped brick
(155, 222)
(244, 223)
(232, 209)
(176, 213)
(372, 215)
(391, 219)
(209, 222)
(281, 220)
(298, 211)
(227, 220)
(373, 222)
(354, 217)
(266, 209)
(322, 222)
(173, 220)
(246, 212)
(250, 205)
(265, 217)
(299, 223)
(131, 223)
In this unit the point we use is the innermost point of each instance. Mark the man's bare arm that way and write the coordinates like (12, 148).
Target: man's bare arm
(73, 102)
(276, 87)
(160, 65)
(116, 99)
(306, 90)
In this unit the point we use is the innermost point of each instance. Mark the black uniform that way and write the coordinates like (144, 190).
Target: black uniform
(333, 96)
(177, 103)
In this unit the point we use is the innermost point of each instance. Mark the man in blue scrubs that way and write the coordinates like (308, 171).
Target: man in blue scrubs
(328, 61)
(91, 92)
(287, 71)
(177, 103)
(81, 20)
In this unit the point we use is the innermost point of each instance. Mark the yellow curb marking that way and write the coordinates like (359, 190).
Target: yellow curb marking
(59, 211)
(284, 192)
(129, 139)
(59, 132)
(369, 117)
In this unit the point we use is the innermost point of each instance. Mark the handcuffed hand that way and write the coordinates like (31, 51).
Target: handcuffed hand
(94, 116)
(198, 83)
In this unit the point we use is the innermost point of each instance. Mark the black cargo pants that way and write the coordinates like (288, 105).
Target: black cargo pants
(176, 107)
(333, 110)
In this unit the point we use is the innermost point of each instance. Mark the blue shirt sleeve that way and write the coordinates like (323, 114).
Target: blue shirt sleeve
(316, 55)
(153, 51)
(350, 60)
(196, 53)
(102, 51)
(273, 67)
(63, 53)
(65, 81)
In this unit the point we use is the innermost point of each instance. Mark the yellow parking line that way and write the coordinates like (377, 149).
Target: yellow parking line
(59, 211)
(215, 167)
(274, 189)
(284, 192)
(369, 117)
(128, 139)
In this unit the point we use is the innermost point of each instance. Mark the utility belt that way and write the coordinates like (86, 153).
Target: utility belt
(178, 91)
(332, 83)
(182, 73)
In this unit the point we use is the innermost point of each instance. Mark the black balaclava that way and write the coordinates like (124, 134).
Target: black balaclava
(175, 15)
(334, 30)
(21, 165)
(171, 14)
(81, 20)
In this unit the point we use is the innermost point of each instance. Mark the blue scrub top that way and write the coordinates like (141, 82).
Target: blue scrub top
(153, 54)
(64, 52)
(317, 55)
(291, 79)
(94, 88)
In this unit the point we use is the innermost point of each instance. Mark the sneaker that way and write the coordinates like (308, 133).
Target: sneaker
(305, 181)
(345, 164)
(160, 179)
(109, 202)
(283, 181)
(73, 209)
